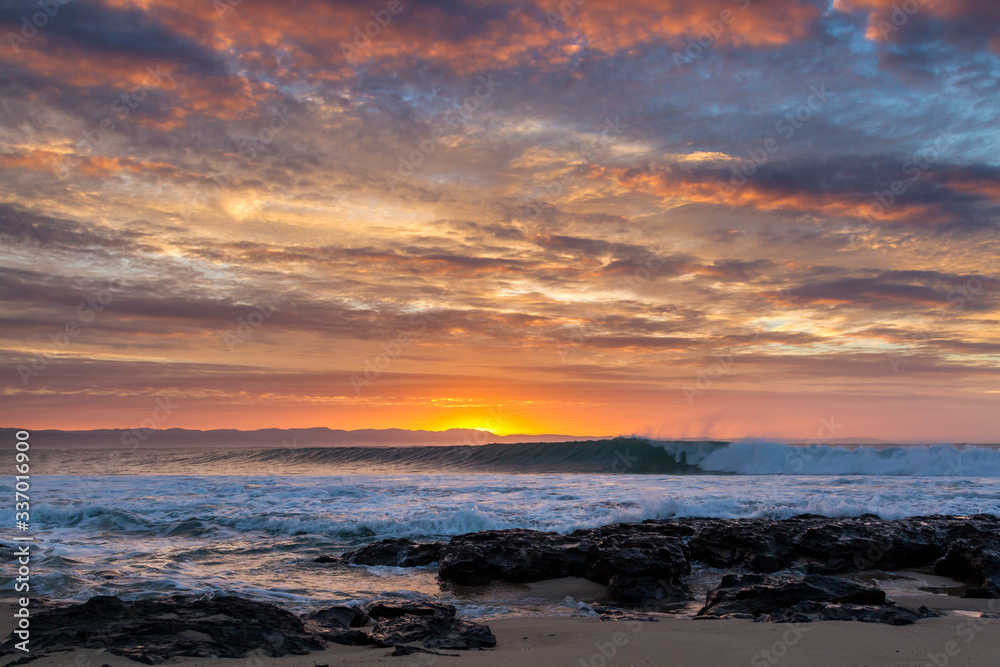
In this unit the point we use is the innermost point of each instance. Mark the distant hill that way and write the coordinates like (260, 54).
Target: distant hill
(271, 437)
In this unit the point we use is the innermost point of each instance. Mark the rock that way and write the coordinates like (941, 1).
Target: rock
(991, 592)
(824, 545)
(648, 592)
(345, 637)
(646, 563)
(397, 608)
(514, 555)
(638, 555)
(748, 544)
(438, 630)
(397, 552)
(332, 618)
(968, 560)
(806, 612)
(809, 543)
(640, 569)
(412, 650)
(614, 614)
(758, 594)
(155, 631)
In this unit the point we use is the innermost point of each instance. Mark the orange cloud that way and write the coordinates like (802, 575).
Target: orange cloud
(700, 187)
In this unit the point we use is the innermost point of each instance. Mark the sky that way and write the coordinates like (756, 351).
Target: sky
(717, 219)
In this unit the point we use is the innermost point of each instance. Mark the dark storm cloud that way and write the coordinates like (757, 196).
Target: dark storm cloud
(95, 28)
(18, 226)
(889, 292)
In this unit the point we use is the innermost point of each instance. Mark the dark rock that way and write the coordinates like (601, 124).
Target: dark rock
(154, 631)
(333, 623)
(748, 544)
(829, 546)
(411, 650)
(512, 555)
(966, 559)
(806, 612)
(345, 637)
(807, 542)
(332, 618)
(614, 614)
(397, 552)
(758, 594)
(640, 569)
(646, 592)
(832, 545)
(397, 608)
(432, 631)
(638, 555)
(991, 592)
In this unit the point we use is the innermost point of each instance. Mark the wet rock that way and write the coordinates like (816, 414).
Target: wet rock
(830, 546)
(825, 545)
(515, 555)
(638, 555)
(335, 618)
(397, 608)
(439, 630)
(155, 631)
(615, 614)
(991, 592)
(747, 544)
(966, 559)
(397, 552)
(344, 637)
(648, 592)
(413, 650)
(640, 569)
(806, 612)
(758, 594)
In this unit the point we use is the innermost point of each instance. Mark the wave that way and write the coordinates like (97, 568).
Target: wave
(771, 458)
(618, 455)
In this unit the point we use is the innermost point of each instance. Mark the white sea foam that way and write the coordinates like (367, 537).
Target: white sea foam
(774, 458)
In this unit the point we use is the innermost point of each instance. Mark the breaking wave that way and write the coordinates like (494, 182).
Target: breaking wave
(618, 455)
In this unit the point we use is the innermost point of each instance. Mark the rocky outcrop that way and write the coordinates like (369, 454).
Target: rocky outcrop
(967, 559)
(157, 631)
(646, 563)
(396, 608)
(807, 612)
(428, 623)
(638, 566)
(825, 545)
(334, 624)
(757, 594)
(513, 555)
(154, 631)
(337, 618)
(615, 614)
(397, 552)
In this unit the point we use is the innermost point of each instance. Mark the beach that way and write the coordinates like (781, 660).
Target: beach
(538, 558)
(680, 642)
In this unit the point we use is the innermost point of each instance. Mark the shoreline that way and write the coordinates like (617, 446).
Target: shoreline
(953, 639)
(800, 591)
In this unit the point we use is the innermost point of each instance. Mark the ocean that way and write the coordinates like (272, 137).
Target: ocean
(251, 522)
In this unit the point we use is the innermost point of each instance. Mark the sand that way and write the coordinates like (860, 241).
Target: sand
(960, 638)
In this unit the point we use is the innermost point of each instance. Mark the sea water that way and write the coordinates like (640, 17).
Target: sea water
(168, 522)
